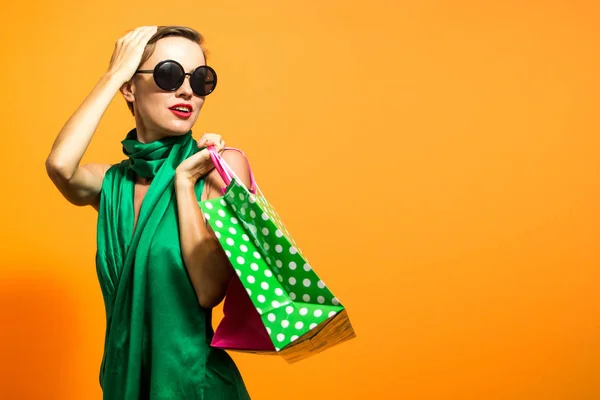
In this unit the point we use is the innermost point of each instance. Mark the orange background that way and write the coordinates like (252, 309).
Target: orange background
(436, 160)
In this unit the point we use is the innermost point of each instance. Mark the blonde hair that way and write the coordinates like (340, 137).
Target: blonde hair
(170, 30)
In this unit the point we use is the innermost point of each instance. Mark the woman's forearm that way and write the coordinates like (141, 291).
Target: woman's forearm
(207, 264)
(75, 136)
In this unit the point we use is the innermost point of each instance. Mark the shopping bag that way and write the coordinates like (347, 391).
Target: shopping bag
(276, 303)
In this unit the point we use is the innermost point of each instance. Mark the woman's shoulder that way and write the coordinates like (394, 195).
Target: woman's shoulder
(238, 162)
(115, 171)
(118, 167)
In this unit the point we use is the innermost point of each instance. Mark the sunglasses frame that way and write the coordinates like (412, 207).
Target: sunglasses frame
(184, 74)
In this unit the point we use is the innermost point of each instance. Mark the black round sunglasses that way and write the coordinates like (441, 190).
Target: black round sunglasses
(169, 75)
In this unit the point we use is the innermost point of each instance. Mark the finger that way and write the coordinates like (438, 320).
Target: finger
(204, 154)
(214, 136)
(130, 33)
(212, 142)
(147, 34)
(204, 138)
(138, 35)
(141, 33)
(204, 141)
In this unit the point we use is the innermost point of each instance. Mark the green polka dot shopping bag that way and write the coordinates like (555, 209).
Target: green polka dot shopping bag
(276, 303)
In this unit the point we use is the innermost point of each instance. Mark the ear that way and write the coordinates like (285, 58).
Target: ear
(127, 90)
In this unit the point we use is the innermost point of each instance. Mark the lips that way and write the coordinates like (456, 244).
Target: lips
(181, 110)
(184, 115)
(188, 107)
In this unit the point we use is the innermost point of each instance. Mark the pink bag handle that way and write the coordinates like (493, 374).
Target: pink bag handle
(225, 170)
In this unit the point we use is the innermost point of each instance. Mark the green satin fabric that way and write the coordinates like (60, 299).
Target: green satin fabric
(157, 335)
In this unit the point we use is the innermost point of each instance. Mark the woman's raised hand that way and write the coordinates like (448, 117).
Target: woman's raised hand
(128, 52)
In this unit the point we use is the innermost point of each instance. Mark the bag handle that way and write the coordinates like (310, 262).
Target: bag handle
(225, 170)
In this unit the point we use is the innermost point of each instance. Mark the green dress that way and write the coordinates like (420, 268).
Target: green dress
(157, 343)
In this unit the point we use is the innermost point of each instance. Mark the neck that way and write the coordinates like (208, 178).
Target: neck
(143, 181)
(146, 159)
(146, 134)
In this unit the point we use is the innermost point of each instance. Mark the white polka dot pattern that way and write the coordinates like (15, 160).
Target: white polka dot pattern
(289, 296)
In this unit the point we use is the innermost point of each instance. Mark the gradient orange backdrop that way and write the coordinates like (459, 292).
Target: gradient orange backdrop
(436, 160)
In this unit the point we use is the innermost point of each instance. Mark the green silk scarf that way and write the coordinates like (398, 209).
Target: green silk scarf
(157, 335)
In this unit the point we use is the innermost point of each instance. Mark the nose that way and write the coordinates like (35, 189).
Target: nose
(185, 90)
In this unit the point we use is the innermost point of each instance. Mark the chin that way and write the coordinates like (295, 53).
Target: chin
(180, 127)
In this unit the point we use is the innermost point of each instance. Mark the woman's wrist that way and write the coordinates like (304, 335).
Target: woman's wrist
(183, 181)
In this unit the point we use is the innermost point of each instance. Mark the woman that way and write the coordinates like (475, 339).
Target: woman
(160, 266)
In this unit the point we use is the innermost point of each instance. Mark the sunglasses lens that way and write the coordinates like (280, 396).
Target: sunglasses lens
(169, 76)
(203, 80)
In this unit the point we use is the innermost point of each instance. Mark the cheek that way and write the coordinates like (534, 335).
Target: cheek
(152, 103)
(198, 105)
